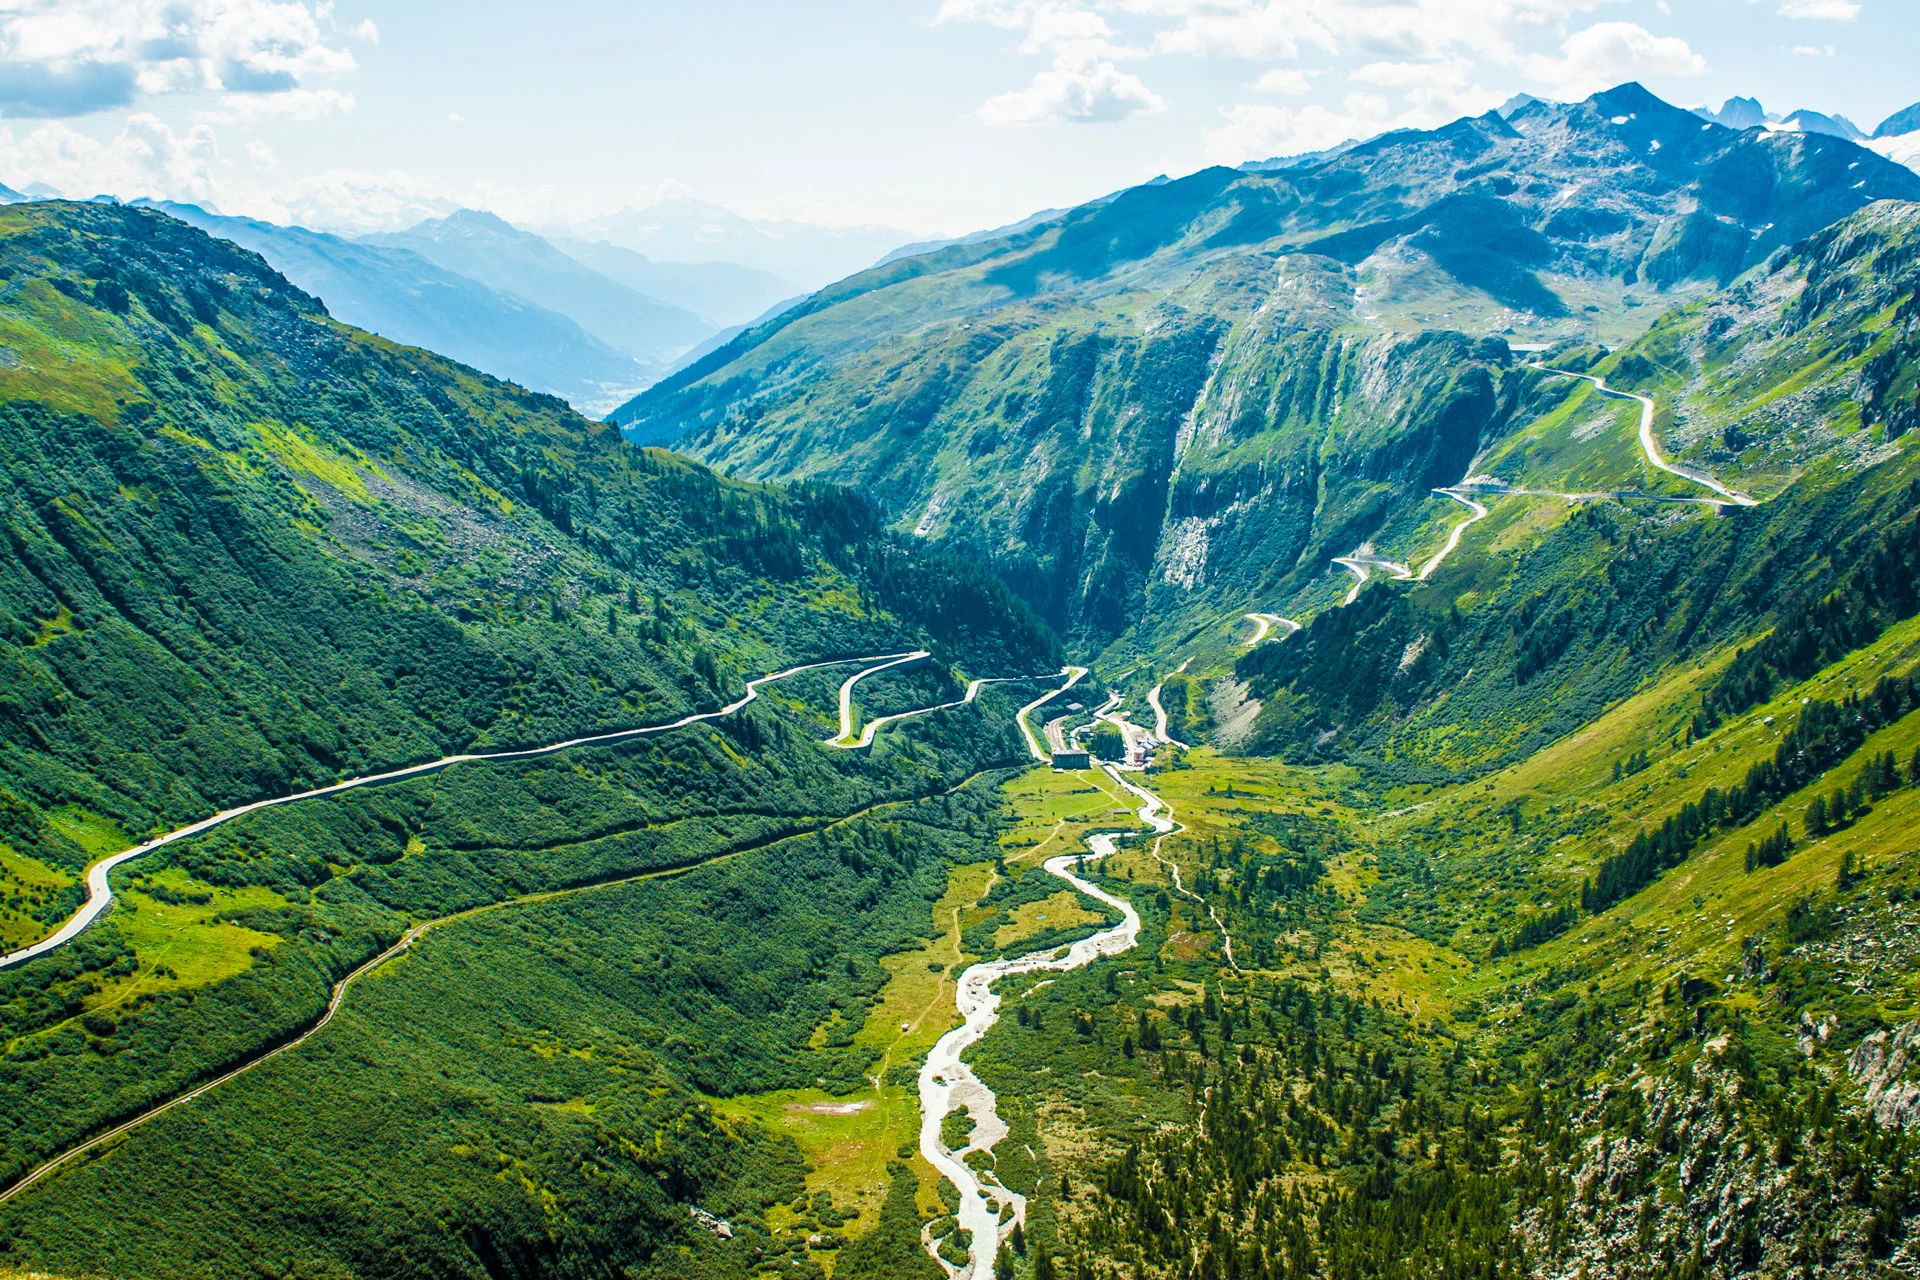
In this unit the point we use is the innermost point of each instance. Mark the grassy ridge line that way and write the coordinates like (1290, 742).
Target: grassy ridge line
(100, 893)
(419, 931)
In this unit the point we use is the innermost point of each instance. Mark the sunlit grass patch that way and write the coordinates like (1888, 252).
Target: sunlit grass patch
(848, 1140)
(99, 836)
(847, 1143)
(24, 884)
(183, 943)
(1061, 911)
(305, 456)
(1052, 812)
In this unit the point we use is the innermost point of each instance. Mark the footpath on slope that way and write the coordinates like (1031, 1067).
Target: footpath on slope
(413, 935)
(100, 893)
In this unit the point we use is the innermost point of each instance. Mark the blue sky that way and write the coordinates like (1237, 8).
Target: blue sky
(928, 115)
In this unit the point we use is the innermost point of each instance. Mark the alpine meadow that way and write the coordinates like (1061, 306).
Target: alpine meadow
(1347, 712)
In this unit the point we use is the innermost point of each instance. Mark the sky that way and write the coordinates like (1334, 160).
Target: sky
(932, 116)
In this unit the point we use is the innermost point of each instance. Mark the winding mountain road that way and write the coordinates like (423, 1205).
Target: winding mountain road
(874, 726)
(339, 993)
(1360, 567)
(1160, 728)
(1360, 563)
(414, 934)
(1650, 446)
(1266, 622)
(1453, 539)
(100, 893)
(1073, 675)
(846, 738)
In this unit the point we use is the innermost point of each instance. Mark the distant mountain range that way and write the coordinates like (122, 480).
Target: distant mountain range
(402, 294)
(724, 292)
(1034, 397)
(597, 310)
(1747, 113)
(694, 231)
(1900, 123)
(484, 247)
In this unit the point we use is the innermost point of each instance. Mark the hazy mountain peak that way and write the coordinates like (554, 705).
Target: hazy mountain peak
(1815, 122)
(1900, 123)
(1738, 113)
(686, 229)
(474, 219)
(497, 253)
(402, 294)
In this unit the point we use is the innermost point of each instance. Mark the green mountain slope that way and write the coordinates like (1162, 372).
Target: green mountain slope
(1797, 382)
(485, 248)
(251, 551)
(1542, 907)
(1189, 397)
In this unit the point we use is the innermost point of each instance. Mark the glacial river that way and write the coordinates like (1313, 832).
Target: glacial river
(947, 1084)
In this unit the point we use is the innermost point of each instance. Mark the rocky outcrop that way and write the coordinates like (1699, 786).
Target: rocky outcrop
(1884, 1064)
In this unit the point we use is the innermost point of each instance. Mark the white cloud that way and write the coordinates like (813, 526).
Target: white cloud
(352, 202)
(294, 104)
(1283, 80)
(146, 158)
(1425, 58)
(1246, 30)
(1393, 29)
(1259, 131)
(73, 57)
(1434, 92)
(1608, 53)
(1000, 13)
(1813, 51)
(1820, 10)
(367, 31)
(1077, 90)
(262, 154)
(1076, 31)
(1431, 94)
(454, 117)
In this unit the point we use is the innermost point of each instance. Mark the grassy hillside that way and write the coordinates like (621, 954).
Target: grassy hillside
(251, 551)
(1553, 609)
(1542, 909)
(1182, 402)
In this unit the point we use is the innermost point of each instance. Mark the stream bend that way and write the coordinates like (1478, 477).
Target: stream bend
(948, 1084)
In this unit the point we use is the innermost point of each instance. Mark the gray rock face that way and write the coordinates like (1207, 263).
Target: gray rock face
(1884, 1063)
